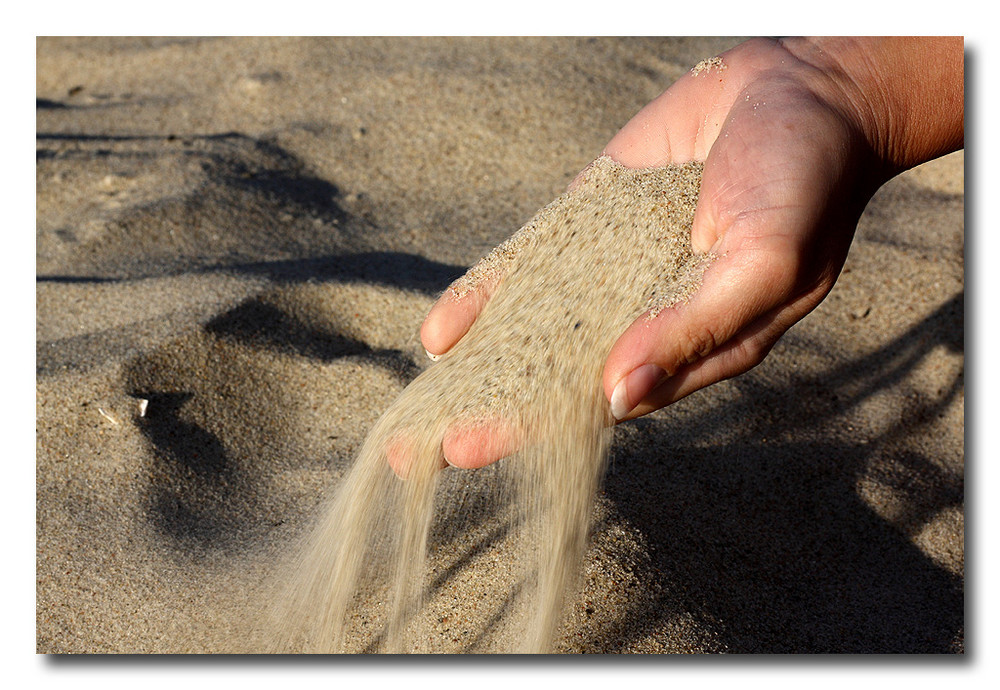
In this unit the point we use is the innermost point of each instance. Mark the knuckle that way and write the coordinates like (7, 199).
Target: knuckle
(752, 352)
(696, 343)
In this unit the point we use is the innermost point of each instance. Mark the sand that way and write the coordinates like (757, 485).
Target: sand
(568, 283)
(247, 233)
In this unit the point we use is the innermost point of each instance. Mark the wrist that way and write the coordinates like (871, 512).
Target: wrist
(906, 95)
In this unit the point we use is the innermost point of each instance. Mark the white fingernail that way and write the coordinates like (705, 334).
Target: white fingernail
(434, 358)
(619, 401)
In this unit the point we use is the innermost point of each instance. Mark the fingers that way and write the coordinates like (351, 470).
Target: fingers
(472, 445)
(466, 444)
(679, 126)
(451, 317)
(746, 302)
(742, 352)
(776, 211)
(402, 456)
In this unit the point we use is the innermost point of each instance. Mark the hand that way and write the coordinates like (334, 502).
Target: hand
(794, 144)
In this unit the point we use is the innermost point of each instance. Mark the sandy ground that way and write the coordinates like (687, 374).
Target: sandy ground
(247, 233)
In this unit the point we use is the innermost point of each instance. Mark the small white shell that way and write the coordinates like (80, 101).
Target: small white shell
(108, 417)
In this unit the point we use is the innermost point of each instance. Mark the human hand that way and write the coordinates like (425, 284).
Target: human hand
(796, 136)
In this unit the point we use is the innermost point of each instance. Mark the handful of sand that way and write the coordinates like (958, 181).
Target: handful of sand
(571, 280)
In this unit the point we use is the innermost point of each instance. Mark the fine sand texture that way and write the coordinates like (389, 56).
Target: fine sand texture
(532, 362)
(237, 241)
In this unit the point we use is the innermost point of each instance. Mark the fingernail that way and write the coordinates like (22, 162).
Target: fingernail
(633, 388)
(434, 358)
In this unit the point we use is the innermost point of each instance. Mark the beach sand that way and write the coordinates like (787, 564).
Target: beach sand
(247, 233)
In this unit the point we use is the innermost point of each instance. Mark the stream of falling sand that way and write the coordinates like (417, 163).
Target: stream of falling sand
(573, 279)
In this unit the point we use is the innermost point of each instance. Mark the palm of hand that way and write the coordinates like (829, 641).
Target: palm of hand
(778, 207)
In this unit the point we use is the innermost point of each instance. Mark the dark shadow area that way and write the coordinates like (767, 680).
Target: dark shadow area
(774, 553)
(70, 280)
(766, 542)
(198, 495)
(848, 385)
(46, 104)
(93, 102)
(392, 269)
(260, 325)
(285, 179)
(209, 481)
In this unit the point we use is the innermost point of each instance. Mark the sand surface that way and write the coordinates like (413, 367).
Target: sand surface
(247, 233)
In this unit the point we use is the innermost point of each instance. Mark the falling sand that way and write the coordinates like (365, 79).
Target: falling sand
(373, 576)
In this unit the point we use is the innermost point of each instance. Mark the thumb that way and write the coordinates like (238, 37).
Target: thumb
(452, 316)
(744, 305)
